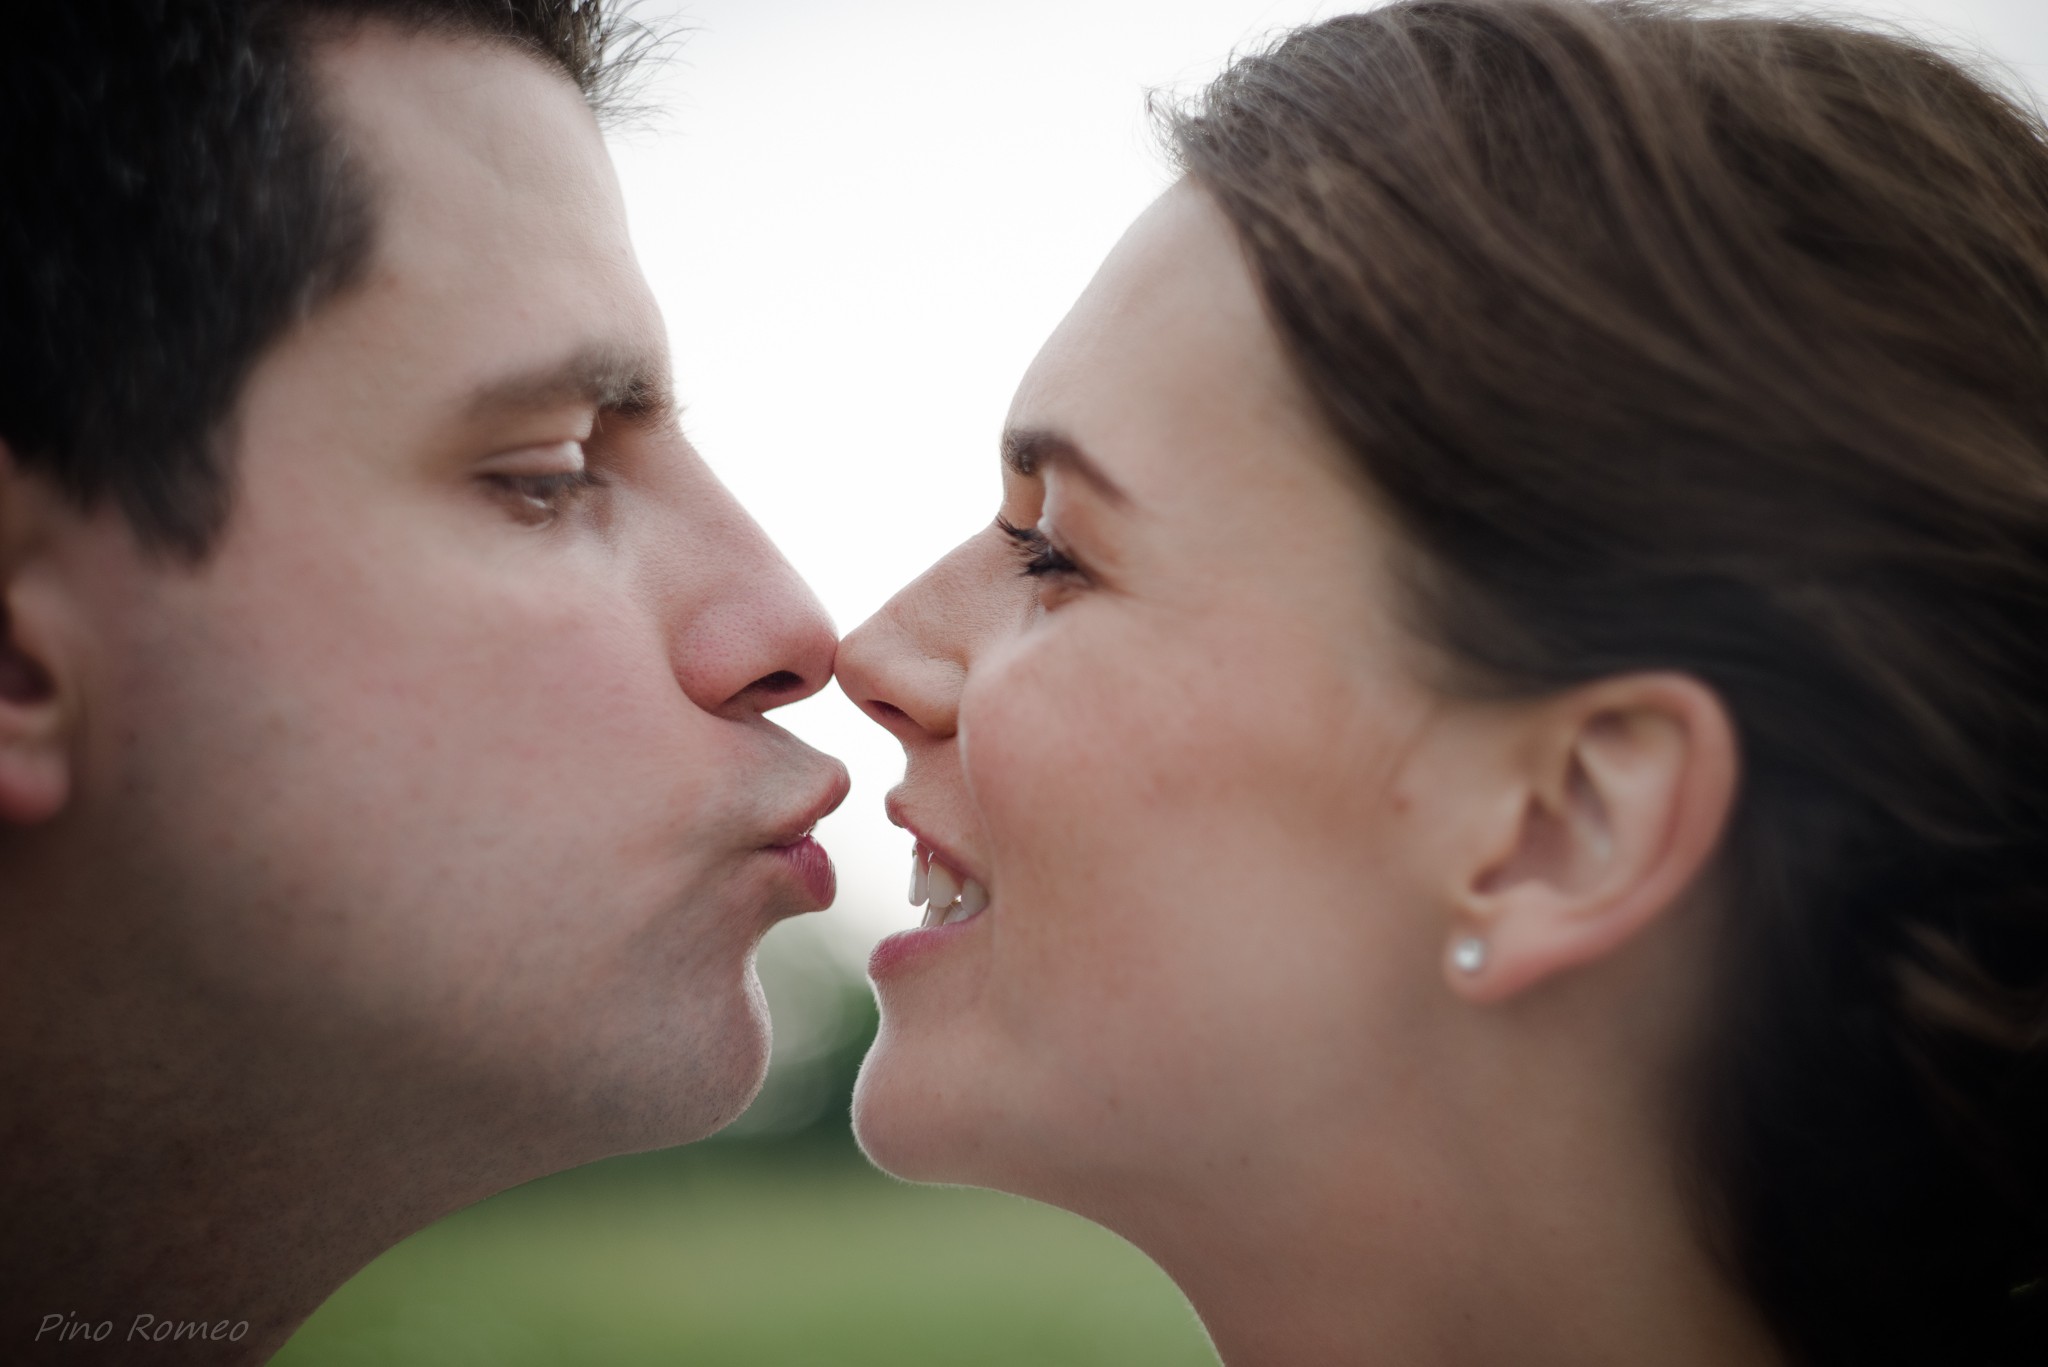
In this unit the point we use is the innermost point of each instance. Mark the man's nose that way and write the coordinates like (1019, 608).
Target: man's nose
(761, 639)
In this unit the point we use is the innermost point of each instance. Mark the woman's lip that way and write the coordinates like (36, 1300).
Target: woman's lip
(898, 952)
(807, 859)
(898, 817)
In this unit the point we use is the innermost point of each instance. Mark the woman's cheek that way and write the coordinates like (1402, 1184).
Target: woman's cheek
(1046, 766)
(1013, 737)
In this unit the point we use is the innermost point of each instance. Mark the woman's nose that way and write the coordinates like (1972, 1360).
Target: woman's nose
(905, 665)
(891, 675)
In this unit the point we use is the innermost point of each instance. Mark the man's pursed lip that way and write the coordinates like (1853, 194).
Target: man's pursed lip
(827, 800)
(807, 859)
(799, 852)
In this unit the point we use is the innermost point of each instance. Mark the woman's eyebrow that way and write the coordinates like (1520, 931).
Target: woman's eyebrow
(1030, 450)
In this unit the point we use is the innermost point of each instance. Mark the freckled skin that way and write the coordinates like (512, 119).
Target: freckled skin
(412, 847)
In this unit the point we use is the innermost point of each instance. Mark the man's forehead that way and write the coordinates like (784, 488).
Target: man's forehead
(459, 129)
(501, 263)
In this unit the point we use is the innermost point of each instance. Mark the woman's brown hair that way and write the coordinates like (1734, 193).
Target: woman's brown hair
(1685, 339)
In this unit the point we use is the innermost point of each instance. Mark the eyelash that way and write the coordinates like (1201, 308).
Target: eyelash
(1041, 558)
(553, 494)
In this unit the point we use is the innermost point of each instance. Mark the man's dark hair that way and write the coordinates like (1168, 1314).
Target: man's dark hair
(171, 200)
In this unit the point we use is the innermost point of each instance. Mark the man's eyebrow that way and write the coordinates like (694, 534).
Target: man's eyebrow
(1028, 450)
(610, 379)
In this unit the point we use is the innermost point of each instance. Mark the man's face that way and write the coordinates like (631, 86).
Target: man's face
(445, 765)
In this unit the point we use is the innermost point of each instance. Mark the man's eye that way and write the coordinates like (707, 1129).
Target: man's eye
(540, 499)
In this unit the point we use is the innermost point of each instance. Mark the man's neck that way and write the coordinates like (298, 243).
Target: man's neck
(154, 1196)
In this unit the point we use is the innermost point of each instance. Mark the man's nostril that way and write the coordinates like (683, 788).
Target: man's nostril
(886, 712)
(776, 684)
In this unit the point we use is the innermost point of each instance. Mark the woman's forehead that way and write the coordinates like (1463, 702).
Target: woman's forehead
(1167, 349)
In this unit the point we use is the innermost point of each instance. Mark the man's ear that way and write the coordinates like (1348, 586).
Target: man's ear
(1617, 795)
(35, 709)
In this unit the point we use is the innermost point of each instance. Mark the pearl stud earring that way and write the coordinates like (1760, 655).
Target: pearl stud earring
(1469, 953)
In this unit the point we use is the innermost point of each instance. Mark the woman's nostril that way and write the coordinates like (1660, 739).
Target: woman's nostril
(886, 713)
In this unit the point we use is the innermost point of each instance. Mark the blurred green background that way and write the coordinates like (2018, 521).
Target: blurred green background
(773, 1245)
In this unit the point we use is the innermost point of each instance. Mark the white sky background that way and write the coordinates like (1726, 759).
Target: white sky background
(861, 218)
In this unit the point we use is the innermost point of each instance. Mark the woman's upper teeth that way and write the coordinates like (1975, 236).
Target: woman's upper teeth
(942, 886)
(947, 895)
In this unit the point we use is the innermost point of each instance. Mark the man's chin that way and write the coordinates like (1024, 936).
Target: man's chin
(701, 1080)
(629, 1090)
(733, 1074)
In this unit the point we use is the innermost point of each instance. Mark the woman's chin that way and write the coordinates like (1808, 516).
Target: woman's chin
(908, 1124)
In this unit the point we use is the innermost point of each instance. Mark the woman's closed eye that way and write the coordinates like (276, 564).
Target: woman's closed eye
(1041, 557)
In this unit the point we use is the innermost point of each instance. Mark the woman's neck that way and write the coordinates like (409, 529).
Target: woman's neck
(1561, 1237)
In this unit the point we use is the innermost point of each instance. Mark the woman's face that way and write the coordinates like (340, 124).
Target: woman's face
(1162, 725)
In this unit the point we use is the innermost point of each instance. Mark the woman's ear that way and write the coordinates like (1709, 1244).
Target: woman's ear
(1616, 795)
(35, 706)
